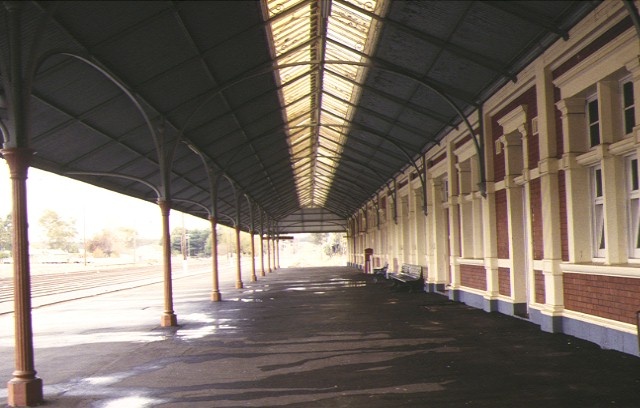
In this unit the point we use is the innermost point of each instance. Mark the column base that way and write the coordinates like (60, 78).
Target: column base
(254, 278)
(239, 285)
(168, 320)
(216, 296)
(24, 393)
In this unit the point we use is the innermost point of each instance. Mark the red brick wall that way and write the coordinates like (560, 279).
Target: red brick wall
(536, 219)
(504, 281)
(473, 276)
(610, 297)
(464, 140)
(502, 224)
(538, 277)
(438, 159)
(564, 236)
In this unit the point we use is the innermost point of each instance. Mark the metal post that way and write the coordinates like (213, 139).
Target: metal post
(269, 253)
(254, 278)
(239, 284)
(215, 290)
(262, 255)
(168, 316)
(24, 389)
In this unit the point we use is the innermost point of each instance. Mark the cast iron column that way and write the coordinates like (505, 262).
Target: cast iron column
(168, 317)
(269, 253)
(254, 278)
(262, 255)
(278, 251)
(239, 284)
(215, 291)
(273, 243)
(24, 389)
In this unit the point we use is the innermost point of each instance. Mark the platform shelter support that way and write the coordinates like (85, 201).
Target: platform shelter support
(262, 255)
(273, 245)
(24, 389)
(269, 253)
(254, 278)
(239, 284)
(262, 243)
(215, 290)
(168, 316)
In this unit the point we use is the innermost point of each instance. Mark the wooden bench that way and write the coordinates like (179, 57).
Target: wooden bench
(381, 271)
(410, 276)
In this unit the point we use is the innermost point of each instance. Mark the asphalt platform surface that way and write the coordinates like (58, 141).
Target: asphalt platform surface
(311, 337)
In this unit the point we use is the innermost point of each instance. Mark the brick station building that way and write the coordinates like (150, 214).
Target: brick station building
(557, 238)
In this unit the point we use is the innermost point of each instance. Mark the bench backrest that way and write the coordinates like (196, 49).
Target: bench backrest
(413, 270)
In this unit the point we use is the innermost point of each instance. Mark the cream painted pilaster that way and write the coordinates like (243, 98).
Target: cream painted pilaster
(476, 208)
(440, 240)
(431, 275)
(395, 235)
(404, 226)
(466, 210)
(513, 156)
(454, 218)
(549, 192)
(421, 236)
(615, 208)
(576, 179)
(413, 226)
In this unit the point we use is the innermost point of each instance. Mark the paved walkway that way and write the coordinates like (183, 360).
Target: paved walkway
(313, 337)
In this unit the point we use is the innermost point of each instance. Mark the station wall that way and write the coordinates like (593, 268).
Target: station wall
(554, 237)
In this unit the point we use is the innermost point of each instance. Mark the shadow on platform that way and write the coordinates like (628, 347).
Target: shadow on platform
(323, 337)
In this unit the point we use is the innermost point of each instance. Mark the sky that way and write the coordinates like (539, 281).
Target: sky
(92, 208)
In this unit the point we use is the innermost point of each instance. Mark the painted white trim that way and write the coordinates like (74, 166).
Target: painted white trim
(474, 291)
(513, 120)
(466, 151)
(600, 321)
(598, 65)
(623, 147)
(622, 271)
(470, 261)
(505, 263)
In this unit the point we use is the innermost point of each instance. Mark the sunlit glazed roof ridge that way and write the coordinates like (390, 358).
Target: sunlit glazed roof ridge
(318, 96)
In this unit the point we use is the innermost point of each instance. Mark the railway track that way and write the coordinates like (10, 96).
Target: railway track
(49, 288)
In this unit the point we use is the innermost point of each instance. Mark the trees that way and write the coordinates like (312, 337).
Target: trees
(61, 234)
(6, 239)
(108, 243)
(195, 241)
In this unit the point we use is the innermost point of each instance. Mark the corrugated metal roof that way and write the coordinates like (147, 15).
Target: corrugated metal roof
(307, 144)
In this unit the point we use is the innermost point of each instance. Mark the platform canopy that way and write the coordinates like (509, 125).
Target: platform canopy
(302, 110)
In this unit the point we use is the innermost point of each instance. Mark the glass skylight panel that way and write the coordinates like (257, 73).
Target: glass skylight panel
(295, 27)
(334, 105)
(290, 29)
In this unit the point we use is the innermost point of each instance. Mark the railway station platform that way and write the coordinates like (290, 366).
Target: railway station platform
(311, 337)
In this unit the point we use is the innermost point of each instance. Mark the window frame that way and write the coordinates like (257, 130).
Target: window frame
(593, 125)
(598, 223)
(633, 204)
(628, 107)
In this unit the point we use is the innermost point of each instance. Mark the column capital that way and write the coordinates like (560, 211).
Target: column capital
(19, 160)
(165, 206)
(570, 106)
